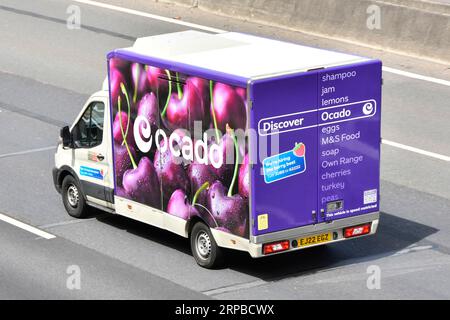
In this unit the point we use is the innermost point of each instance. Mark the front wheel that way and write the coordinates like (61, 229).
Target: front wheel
(73, 198)
(204, 248)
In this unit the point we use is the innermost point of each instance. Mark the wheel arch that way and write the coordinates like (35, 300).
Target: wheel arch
(65, 171)
(191, 223)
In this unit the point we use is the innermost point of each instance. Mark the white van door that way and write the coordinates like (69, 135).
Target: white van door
(91, 154)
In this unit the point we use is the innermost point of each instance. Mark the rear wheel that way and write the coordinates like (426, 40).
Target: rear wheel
(204, 248)
(73, 198)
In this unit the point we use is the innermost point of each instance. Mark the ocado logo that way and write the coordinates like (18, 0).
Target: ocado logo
(368, 108)
(344, 113)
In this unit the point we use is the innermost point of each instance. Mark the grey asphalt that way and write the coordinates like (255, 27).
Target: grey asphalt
(46, 73)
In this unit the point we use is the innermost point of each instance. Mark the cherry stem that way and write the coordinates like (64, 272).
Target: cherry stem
(119, 103)
(236, 164)
(212, 109)
(136, 83)
(163, 113)
(180, 92)
(197, 194)
(124, 91)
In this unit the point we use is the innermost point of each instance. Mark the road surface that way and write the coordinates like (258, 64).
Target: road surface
(47, 71)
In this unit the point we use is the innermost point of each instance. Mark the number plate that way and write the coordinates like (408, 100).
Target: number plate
(316, 239)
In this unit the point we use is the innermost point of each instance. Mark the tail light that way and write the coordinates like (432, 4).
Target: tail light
(273, 247)
(356, 231)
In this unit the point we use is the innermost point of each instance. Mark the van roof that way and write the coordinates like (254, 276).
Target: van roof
(237, 54)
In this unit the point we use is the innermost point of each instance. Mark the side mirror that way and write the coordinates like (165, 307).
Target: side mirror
(66, 136)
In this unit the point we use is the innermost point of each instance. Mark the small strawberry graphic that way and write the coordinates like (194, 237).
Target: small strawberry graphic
(299, 149)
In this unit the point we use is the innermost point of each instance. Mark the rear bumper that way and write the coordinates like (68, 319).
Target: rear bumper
(336, 228)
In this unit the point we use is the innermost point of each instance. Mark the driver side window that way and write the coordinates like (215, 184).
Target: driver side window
(88, 132)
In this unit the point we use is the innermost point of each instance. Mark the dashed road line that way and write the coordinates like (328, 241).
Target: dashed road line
(26, 227)
(416, 150)
(19, 153)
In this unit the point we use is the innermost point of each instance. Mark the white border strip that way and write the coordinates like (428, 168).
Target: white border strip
(149, 15)
(416, 76)
(416, 150)
(26, 227)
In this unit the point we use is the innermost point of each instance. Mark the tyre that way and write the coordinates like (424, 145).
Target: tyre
(73, 198)
(204, 248)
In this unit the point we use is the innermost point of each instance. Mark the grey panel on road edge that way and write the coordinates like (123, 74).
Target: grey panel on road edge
(384, 25)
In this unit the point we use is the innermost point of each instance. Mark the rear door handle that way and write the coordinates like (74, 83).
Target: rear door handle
(100, 157)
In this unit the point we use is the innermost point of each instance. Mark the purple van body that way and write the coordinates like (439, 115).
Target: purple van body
(340, 166)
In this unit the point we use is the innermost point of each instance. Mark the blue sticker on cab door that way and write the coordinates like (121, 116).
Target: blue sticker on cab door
(91, 172)
(285, 165)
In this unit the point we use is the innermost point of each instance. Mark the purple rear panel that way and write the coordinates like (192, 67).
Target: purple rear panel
(284, 193)
(349, 140)
(318, 146)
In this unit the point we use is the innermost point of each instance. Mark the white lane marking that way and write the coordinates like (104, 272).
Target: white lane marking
(411, 249)
(6, 155)
(26, 227)
(416, 76)
(149, 15)
(416, 150)
(201, 27)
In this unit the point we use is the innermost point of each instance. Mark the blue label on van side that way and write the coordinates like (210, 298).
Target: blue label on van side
(91, 172)
(285, 164)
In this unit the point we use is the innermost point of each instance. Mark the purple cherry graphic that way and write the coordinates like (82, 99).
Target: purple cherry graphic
(199, 174)
(228, 210)
(141, 183)
(120, 192)
(227, 107)
(157, 85)
(185, 107)
(170, 172)
(121, 120)
(243, 229)
(116, 81)
(148, 108)
(242, 92)
(202, 86)
(179, 205)
(118, 64)
(244, 178)
(122, 161)
(138, 81)
(227, 152)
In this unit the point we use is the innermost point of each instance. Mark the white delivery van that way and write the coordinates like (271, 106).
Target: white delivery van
(231, 140)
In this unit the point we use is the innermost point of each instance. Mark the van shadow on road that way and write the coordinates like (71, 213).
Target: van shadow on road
(393, 234)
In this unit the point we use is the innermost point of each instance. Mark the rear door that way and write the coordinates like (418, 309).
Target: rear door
(349, 100)
(284, 179)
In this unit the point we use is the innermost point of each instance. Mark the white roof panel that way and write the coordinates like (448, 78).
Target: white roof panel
(238, 54)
